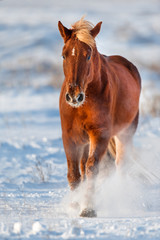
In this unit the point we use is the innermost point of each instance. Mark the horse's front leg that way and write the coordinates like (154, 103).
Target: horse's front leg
(83, 163)
(73, 155)
(98, 147)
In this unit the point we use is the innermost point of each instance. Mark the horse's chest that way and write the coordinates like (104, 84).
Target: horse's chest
(81, 125)
(78, 130)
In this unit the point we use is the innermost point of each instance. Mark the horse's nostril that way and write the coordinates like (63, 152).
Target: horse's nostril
(80, 97)
(68, 98)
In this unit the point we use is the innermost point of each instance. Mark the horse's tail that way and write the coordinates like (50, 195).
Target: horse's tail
(112, 147)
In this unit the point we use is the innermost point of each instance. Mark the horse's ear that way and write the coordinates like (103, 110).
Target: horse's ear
(65, 32)
(96, 29)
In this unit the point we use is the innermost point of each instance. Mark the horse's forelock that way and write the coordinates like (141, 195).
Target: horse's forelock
(82, 29)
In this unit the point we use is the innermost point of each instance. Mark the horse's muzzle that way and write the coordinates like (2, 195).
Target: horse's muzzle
(75, 101)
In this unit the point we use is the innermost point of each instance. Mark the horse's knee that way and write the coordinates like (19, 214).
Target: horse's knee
(91, 167)
(74, 180)
(83, 163)
(83, 170)
(83, 173)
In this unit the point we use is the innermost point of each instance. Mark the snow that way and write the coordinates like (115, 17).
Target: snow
(36, 227)
(35, 200)
(17, 227)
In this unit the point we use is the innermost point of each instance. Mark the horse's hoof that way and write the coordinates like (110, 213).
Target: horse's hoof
(88, 212)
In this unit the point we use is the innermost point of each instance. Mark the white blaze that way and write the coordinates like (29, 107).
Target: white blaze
(73, 51)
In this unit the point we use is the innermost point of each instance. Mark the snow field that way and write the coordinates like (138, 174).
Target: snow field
(34, 194)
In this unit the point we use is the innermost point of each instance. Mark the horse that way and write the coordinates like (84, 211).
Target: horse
(99, 106)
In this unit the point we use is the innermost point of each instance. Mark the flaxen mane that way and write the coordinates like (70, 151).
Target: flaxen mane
(82, 29)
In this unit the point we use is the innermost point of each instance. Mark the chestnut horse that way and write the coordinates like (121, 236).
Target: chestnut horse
(99, 106)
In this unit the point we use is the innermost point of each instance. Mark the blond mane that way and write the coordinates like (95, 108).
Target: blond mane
(82, 29)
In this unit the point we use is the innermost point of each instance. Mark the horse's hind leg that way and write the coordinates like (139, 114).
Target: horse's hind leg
(119, 150)
(124, 141)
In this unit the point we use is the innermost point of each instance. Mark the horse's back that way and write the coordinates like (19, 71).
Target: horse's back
(127, 64)
(125, 87)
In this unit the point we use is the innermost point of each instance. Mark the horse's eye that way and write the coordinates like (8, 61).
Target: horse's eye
(63, 57)
(88, 57)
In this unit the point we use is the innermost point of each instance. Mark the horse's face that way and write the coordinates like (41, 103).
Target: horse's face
(77, 66)
(77, 58)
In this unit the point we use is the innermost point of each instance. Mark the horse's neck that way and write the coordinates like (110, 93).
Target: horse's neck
(96, 64)
(99, 72)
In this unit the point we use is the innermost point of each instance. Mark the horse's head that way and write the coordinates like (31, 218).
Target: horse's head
(79, 45)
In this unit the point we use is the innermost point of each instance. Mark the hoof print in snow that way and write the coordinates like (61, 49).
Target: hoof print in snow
(87, 212)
